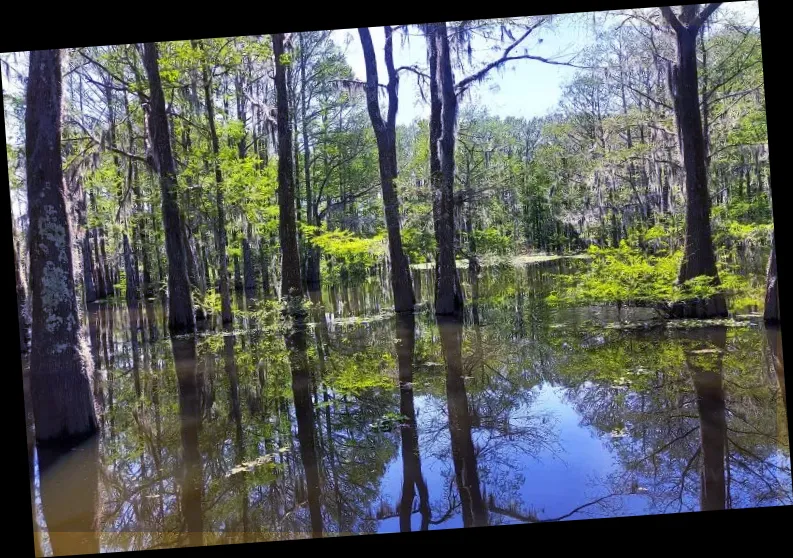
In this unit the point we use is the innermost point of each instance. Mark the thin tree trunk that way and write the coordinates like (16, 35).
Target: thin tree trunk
(222, 239)
(313, 278)
(60, 362)
(247, 257)
(771, 313)
(22, 301)
(180, 303)
(264, 262)
(131, 273)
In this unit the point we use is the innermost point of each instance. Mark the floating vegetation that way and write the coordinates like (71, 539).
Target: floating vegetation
(249, 466)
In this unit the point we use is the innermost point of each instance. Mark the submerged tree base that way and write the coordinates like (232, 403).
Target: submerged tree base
(699, 309)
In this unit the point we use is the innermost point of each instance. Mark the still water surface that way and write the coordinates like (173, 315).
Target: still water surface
(358, 421)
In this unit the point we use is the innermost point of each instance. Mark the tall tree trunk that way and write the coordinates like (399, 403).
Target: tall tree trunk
(443, 119)
(771, 313)
(290, 257)
(385, 133)
(699, 256)
(222, 239)
(81, 202)
(313, 278)
(180, 301)
(60, 362)
(237, 274)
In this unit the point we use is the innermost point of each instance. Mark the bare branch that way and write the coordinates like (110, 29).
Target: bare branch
(413, 69)
(96, 141)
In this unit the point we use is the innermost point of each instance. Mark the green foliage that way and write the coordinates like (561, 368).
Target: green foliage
(628, 276)
(209, 303)
(352, 253)
(418, 244)
(492, 241)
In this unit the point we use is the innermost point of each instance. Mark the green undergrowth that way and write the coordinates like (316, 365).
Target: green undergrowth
(643, 272)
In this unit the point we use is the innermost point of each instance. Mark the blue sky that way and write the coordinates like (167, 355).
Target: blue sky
(526, 88)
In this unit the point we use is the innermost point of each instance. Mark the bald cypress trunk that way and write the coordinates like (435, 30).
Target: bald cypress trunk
(290, 261)
(60, 362)
(699, 257)
(443, 119)
(180, 304)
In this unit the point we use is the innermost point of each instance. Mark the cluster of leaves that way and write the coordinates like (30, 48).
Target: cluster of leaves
(353, 254)
(418, 244)
(492, 241)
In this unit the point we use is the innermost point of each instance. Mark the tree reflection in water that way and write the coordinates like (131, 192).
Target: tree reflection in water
(356, 421)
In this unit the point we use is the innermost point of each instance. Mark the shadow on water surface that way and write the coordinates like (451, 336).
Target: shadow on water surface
(358, 421)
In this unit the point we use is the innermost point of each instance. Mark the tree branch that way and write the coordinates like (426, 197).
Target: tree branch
(413, 69)
(703, 15)
(109, 147)
(671, 19)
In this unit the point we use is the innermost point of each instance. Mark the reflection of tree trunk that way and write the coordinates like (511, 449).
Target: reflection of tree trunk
(70, 497)
(304, 411)
(477, 321)
(93, 335)
(411, 461)
(230, 363)
(705, 366)
(463, 451)
(133, 313)
(774, 336)
(184, 355)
